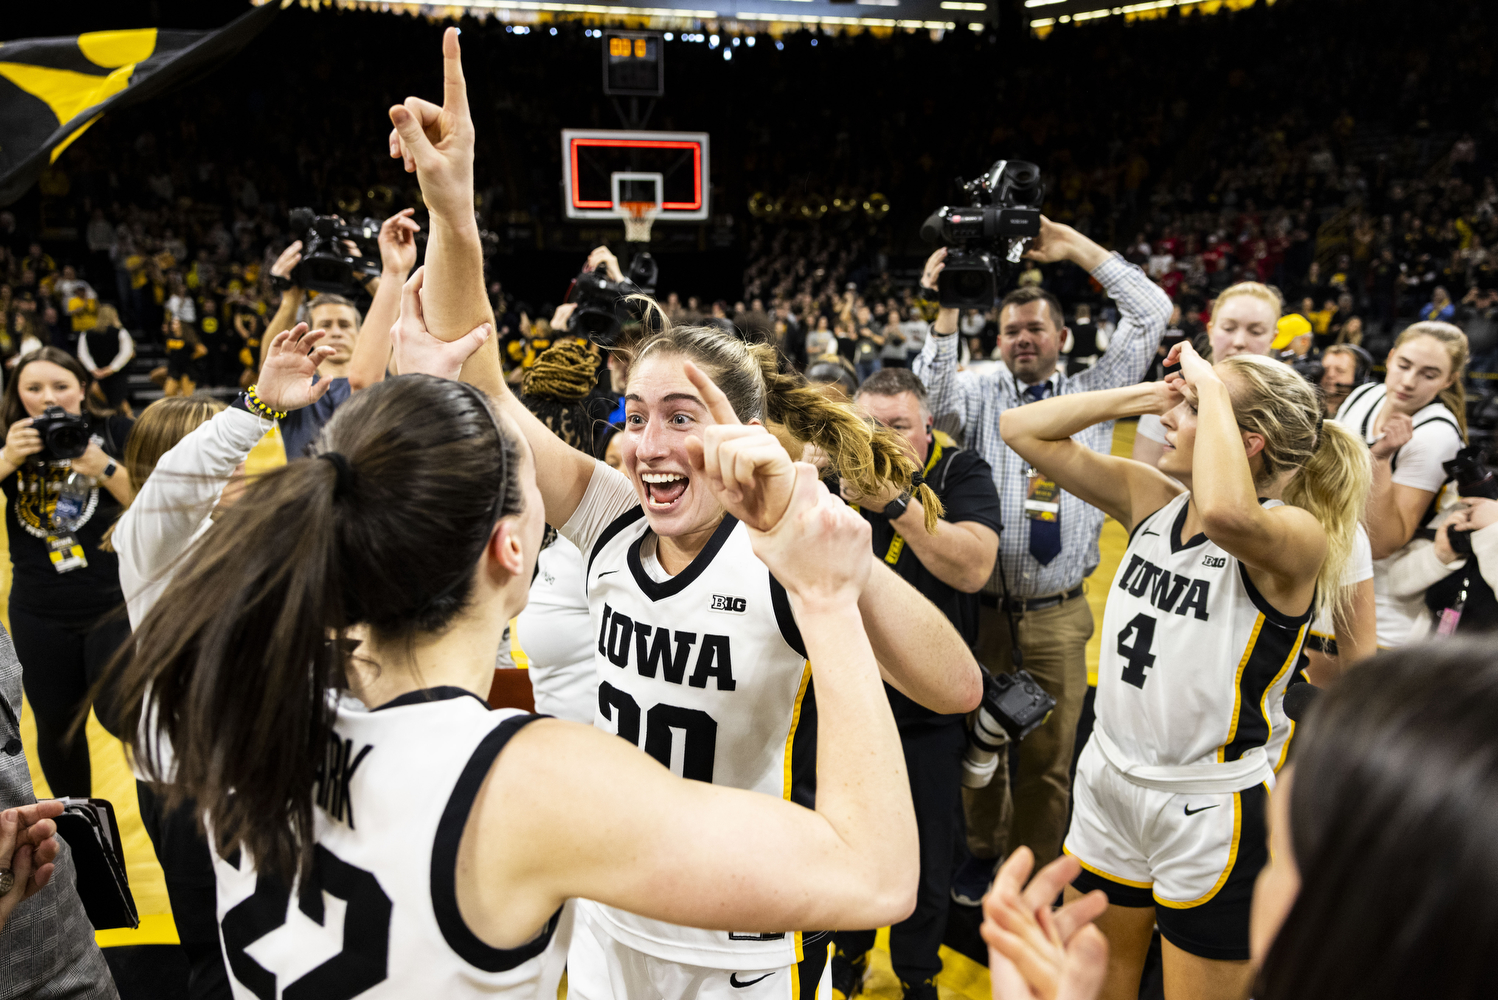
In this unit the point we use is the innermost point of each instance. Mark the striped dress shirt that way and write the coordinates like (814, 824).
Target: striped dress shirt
(977, 401)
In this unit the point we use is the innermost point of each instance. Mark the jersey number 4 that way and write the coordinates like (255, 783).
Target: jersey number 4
(1142, 629)
(362, 963)
(699, 730)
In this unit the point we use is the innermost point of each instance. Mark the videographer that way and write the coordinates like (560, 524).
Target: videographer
(1344, 367)
(343, 323)
(948, 567)
(63, 477)
(1050, 542)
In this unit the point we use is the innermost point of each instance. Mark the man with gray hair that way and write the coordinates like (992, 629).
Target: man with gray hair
(948, 568)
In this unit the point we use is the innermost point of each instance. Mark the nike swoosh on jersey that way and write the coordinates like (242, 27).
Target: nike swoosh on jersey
(606, 573)
(1192, 812)
(733, 980)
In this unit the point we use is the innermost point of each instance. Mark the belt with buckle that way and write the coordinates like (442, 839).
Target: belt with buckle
(1022, 604)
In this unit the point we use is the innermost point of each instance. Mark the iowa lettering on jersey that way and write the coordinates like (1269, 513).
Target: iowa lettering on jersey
(1166, 589)
(658, 650)
(334, 774)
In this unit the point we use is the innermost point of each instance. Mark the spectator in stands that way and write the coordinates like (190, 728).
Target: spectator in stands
(1034, 604)
(1439, 308)
(108, 340)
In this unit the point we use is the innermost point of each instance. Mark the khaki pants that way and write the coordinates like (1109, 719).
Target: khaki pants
(1033, 812)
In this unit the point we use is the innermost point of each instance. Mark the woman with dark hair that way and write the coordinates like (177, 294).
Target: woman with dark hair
(64, 585)
(453, 834)
(1382, 881)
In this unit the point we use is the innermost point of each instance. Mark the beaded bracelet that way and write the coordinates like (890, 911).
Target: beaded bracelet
(254, 404)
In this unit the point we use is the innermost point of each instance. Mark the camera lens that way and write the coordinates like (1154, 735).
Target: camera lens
(972, 285)
(67, 442)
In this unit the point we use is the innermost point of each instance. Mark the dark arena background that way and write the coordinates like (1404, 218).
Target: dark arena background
(1344, 152)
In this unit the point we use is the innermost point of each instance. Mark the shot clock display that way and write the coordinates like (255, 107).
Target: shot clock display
(632, 64)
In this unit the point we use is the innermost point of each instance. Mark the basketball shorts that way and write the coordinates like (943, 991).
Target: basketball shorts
(1192, 856)
(599, 967)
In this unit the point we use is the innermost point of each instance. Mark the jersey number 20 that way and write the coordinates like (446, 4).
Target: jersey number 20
(1142, 628)
(699, 729)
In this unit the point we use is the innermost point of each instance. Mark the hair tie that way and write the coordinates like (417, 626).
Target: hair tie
(345, 473)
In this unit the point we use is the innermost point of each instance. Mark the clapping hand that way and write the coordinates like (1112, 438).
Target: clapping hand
(291, 361)
(1035, 953)
(413, 348)
(437, 143)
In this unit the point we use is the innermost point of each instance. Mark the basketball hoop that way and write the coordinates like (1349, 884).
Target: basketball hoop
(638, 216)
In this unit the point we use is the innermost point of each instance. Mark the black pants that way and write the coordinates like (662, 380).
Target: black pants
(193, 888)
(933, 759)
(60, 661)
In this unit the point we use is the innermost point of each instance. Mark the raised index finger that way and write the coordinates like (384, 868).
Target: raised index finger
(717, 404)
(454, 88)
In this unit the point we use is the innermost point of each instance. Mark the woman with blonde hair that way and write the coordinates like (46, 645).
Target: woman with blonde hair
(1412, 422)
(1202, 631)
(108, 339)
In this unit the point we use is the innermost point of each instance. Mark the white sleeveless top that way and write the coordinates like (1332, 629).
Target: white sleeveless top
(1194, 665)
(377, 914)
(706, 672)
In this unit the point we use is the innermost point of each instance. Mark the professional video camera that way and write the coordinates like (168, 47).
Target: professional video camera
(64, 435)
(1473, 479)
(1013, 705)
(328, 262)
(602, 307)
(987, 237)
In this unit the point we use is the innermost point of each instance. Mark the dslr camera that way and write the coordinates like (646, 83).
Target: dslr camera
(328, 262)
(602, 310)
(1473, 479)
(64, 435)
(986, 237)
(1013, 705)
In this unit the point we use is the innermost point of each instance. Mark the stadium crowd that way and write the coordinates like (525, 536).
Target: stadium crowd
(816, 462)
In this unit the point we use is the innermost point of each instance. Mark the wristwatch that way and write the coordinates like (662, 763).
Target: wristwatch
(109, 470)
(897, 507)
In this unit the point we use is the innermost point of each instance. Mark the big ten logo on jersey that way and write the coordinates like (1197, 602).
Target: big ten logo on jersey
(335, 772)
(729, 605)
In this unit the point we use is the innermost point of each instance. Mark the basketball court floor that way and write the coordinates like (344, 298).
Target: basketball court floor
(962, 977)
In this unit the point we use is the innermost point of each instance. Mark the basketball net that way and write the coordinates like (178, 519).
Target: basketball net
(638, 216)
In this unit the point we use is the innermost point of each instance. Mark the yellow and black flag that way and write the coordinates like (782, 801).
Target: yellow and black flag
(51, 89)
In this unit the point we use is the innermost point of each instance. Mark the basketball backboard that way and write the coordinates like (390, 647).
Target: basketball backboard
(604, 168)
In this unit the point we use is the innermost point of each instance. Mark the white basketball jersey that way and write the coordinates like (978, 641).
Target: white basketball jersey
(1195, 662)
(706, 672)
(377, 914)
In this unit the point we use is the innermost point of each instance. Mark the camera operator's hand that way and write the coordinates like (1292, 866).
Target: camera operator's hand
(1444, 550)
(437, 143)
(605, 256)
(946, 319)
(1398, 430)
(21, 442)
(562, 315)
(415, 351)
(1474, 514)
(1058, 241)
(291, 360)
(398, 244)
(93, 461)
(287, 262)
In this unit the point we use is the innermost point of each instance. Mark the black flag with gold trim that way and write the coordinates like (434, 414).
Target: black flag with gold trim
(52, 89)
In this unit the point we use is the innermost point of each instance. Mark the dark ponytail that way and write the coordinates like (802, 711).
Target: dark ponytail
(239, 661)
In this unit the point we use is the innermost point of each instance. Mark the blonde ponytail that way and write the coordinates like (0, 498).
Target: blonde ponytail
(1330, 469)
(870, 457)
(1333, 485)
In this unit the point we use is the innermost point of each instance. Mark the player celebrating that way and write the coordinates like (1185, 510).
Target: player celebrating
(1203, 626)
(449, 835)
(702, 662)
